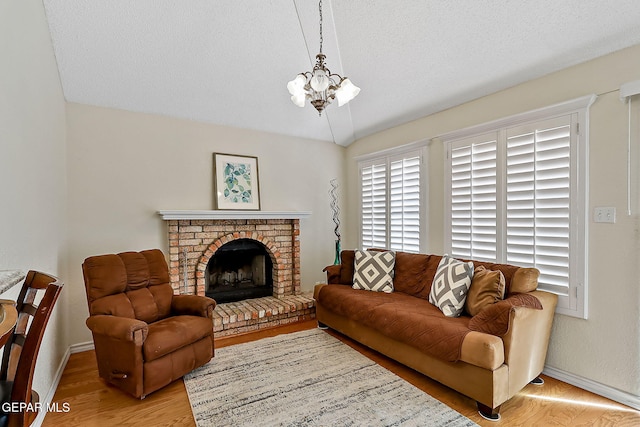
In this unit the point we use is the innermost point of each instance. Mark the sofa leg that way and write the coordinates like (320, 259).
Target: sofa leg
(488, 413)
(537, 381)
(322, 326)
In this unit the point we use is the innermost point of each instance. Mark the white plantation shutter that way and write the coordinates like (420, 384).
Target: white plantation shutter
(404, 204)
(516, 193)
(473, 198)
(374, 205)
(538, 206)
(390, 202)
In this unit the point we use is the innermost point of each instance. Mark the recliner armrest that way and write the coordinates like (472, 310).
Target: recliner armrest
(194, 305)
(120, 328)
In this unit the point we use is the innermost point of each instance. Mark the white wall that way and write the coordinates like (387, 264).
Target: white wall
(123, 167)
(32, 164)
(605, 347)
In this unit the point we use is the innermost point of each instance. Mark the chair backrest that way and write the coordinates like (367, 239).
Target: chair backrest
(34, 306)
(129, 284)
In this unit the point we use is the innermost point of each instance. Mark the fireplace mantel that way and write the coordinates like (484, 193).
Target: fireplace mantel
(226, 215)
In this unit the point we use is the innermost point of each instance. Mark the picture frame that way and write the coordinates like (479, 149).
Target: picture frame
(236, 184)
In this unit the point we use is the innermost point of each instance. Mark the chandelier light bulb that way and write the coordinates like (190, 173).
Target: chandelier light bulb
(319, 80)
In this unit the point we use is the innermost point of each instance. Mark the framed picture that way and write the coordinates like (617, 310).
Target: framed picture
(235, 182)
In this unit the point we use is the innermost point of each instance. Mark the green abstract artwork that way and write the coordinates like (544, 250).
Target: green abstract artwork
(237, 181)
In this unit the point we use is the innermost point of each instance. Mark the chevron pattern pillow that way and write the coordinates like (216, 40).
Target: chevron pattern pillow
(451, 285)
(373, 271)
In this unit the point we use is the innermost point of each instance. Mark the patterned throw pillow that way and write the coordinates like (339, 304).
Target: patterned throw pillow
(373, 271)
(450, 285)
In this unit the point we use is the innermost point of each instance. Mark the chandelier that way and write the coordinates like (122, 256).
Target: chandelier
(320, 86)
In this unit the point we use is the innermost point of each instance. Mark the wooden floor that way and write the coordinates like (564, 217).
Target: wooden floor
(93, 403)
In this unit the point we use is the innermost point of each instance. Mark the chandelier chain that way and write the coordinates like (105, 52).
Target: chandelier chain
(321, 39)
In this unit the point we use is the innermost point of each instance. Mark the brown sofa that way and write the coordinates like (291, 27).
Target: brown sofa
(488, 357)
(145, 337)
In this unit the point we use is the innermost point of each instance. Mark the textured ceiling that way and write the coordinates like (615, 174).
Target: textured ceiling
(228, 61)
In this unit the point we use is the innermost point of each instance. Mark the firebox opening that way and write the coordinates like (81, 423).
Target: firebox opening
(240, 269)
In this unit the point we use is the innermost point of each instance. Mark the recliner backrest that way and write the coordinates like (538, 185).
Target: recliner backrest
(129, 284)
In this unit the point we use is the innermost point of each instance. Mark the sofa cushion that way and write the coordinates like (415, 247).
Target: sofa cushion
(347, 259)
(524, 280)
(507, 270)
(450, 285)
(487, 287)
(414, 273)
(373, 271)
(402, 317)
(172, 333)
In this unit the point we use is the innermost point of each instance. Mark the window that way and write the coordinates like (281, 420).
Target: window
(390, 200)
(515, 192)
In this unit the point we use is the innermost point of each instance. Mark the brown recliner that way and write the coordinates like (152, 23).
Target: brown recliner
(145, 337)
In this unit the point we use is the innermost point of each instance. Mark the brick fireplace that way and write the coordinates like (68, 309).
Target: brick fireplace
(194, 238)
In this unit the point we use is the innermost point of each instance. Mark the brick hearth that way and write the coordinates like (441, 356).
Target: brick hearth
(260, 313)
(195, 236)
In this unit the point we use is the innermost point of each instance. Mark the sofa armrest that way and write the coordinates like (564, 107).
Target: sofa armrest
(333, 273)
(527, 340)
(316, 290)
(194, 305)
(495, 319)
(119, 328)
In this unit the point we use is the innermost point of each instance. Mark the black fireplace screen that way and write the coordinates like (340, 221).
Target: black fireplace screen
(240, 269)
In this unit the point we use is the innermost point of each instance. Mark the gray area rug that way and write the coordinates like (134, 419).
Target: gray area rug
(307, 378)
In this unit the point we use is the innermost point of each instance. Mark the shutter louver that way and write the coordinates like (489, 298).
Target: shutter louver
(374, 205)
(473, 200)
(538, 201)
(404, 204)
(461, 202)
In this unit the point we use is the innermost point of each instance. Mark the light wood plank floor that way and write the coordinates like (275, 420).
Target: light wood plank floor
(93, 403)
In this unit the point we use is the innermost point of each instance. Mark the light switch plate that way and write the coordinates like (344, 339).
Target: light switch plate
(604, 214)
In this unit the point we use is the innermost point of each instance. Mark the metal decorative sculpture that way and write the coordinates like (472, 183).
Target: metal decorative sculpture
(333, 195)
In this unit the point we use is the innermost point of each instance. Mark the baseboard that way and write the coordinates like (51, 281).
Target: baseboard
(80, 347)
(594, 387)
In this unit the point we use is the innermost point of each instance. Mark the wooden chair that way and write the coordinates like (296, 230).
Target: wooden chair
(34, 306)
